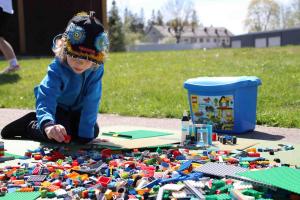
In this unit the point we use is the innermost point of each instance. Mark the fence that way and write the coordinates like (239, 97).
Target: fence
(164, 47)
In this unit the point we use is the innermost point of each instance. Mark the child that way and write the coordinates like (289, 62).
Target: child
(68, 97)
(6, 11)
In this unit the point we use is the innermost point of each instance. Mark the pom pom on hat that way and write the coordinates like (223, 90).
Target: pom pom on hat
(85, 38)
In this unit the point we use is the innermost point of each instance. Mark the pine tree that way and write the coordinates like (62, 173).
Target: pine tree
(153, 18)
(116, 34)
(195, 21)
(159, 19)
(141, 20)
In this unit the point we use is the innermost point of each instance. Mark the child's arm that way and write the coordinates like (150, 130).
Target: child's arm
(46, 95)
(91, 102)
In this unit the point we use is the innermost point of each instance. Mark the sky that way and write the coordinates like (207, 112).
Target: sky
(218, 13)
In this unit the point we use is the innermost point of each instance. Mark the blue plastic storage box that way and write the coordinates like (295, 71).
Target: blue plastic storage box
(228, 103)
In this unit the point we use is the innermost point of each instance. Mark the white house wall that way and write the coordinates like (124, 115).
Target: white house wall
(206, 42)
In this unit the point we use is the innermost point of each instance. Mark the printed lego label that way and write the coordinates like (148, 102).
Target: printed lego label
(215, 110)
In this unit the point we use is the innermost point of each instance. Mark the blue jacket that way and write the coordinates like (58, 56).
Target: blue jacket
(74, 92)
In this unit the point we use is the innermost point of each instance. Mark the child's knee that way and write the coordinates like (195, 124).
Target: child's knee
(8, 132)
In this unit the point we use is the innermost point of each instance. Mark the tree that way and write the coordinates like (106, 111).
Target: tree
(116, 34)
(133, 27)
(141, 22)
(159, 18)
(133, 22)
(262, 15)
(296, 12)
(179, 12)
(152, 20)
(286, 19)
(127, 14)
(194, 21)
(142, 16)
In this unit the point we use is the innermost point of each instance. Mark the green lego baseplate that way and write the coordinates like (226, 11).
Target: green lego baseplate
(13, 155)
(281, 177)
(136, 134)
(21, 195)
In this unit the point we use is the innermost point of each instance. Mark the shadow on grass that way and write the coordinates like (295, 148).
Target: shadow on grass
(9, 78)
(260, 136)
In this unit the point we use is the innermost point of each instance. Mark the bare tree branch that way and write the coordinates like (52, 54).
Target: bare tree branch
(262, 15)
(178, 12)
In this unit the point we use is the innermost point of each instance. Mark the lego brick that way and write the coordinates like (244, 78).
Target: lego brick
(37, 178)
(5, 158)
(218, 197)
(220, 169)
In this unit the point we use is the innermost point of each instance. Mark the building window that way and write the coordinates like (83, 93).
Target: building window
(186, 40)
(201, 40)
(215, 40)
(193, 40)
(207, 40)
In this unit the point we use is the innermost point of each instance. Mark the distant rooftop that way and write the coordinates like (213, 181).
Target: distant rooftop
(198, 32)
(297, 27)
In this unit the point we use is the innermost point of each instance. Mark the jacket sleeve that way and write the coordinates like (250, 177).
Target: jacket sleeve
(91, 103)
(47, 93)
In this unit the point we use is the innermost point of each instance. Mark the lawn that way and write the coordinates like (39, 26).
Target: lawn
(150, 84)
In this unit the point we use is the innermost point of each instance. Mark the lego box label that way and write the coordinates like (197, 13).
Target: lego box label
(215, 110)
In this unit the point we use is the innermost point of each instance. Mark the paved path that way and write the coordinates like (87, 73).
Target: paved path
(288, 135)
(261, 137)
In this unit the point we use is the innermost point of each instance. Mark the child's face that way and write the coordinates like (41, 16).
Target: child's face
(79, 65)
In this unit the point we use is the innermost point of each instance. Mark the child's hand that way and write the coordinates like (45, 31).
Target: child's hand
(56, 132)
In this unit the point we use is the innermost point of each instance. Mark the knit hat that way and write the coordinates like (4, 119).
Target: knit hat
(85, 38)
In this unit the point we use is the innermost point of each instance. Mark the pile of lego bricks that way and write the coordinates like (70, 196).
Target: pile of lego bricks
(162, 173)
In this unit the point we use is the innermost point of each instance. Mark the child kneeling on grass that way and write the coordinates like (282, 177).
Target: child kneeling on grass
(68, 97)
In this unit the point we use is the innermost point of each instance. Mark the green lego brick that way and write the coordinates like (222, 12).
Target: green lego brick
(253, 193)
(218, 197)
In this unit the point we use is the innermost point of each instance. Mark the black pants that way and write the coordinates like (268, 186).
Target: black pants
(4, 22)
(27, 127)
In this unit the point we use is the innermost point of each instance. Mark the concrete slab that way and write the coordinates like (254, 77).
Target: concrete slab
(291, 135)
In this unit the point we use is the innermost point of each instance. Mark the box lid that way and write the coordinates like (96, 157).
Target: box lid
(221, 83)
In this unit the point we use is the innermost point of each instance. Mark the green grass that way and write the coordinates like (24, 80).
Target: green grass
(151, 83)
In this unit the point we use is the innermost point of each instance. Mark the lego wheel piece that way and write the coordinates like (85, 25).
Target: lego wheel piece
(223, 140)
(234, 140)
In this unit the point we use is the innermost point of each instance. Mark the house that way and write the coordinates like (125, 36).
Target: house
(207, 37)
(267, 39)
(36, 22)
